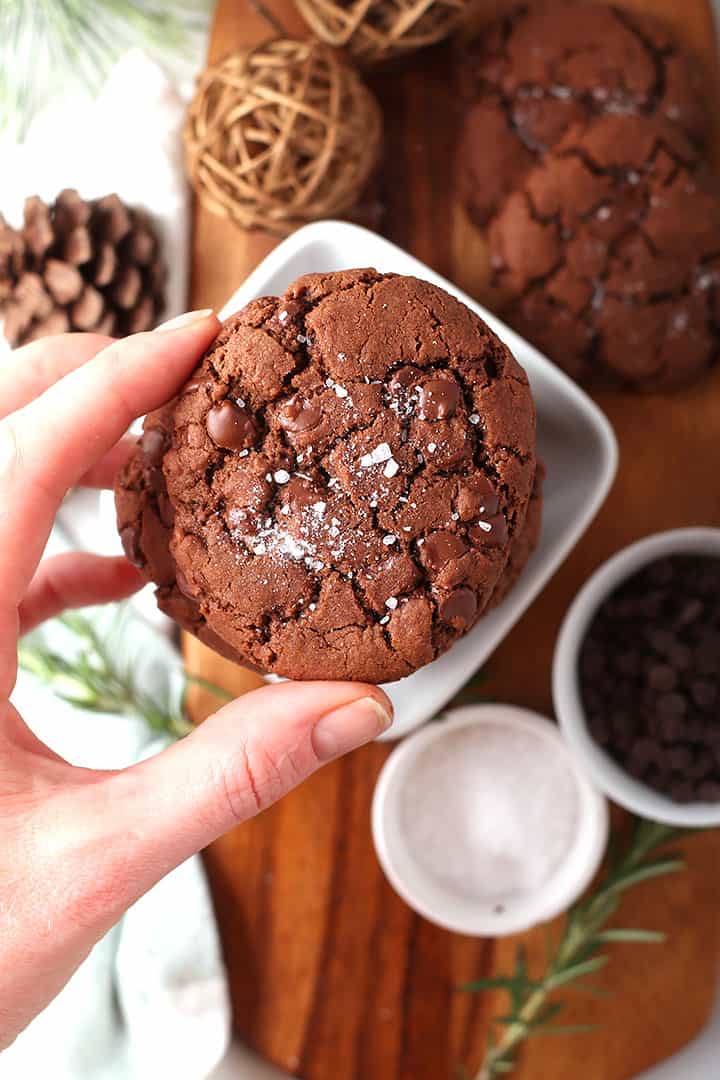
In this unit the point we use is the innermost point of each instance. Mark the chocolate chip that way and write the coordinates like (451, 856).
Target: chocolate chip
(130, 540)
(662, 640)
(166, 510)
(458, 609)
(662, 677)
(183, 584)
(707, 654)
(155, 479)
(299, 414)
(491, 531)
(703, 693)
(154, 445)
(440, 547)
(679, 758)
(592, 663)
(231, 426)
(672, 704)
(439, 399)
(194, 383)
(690, 611)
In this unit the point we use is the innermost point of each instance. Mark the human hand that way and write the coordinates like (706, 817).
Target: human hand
(79, 846)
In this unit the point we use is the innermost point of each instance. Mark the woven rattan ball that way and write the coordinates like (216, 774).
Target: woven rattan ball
(281, 134)
(377, 29)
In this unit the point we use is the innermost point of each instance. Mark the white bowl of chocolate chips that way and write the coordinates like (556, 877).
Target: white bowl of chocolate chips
(636, 677)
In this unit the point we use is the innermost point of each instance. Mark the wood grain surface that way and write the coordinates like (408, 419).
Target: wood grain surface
(332, 976)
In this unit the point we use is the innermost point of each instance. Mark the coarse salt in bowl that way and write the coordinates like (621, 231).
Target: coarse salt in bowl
(485, 824)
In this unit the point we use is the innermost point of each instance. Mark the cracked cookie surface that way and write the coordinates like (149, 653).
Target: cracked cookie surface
(608, 258)
(540, 69)
(341, 481)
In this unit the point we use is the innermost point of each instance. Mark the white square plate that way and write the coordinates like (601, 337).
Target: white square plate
(575, 441)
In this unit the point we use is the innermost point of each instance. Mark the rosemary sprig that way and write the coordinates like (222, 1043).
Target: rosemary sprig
(91, 675)
(578, 954)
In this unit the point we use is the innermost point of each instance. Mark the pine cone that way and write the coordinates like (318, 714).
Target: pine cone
(79, 265)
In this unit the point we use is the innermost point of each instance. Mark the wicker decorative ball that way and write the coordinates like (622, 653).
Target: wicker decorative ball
(281, 134)
(378, 29)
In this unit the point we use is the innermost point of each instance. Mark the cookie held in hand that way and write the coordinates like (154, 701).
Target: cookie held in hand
(335, 492)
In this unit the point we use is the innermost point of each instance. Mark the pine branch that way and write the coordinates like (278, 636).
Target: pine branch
(577, 955)
(78, 41)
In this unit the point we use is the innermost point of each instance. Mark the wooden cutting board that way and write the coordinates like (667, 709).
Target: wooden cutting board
(332, 976)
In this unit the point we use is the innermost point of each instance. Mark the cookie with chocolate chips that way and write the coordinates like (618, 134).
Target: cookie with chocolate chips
(341, 482)
(608, 257)
(542, 68)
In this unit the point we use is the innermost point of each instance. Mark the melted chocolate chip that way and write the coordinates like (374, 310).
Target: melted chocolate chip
(440, 547)
(494, 536)
(231, 426)
(154, 444)
(299, 414)
(300, 494)
(194, 383)
(130, 540)
(459, 607)
(155, 479)
(182, 583)
(166, 510)
(439, 399)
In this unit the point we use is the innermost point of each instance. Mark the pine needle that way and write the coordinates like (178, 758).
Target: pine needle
(56, 45)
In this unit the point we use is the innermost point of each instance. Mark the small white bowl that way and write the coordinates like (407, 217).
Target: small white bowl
(458, 910)
(606, 773)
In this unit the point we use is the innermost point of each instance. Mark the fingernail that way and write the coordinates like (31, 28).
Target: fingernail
(349, 726)
(186, 319)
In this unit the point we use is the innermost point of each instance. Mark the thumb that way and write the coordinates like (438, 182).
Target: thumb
(238, 762)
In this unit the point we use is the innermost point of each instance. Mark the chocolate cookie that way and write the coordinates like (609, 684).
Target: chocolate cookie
(609, 256)
(344, 475)
(541, 69)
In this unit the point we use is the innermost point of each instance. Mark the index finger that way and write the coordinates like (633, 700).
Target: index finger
(27, 372)
(49, 444)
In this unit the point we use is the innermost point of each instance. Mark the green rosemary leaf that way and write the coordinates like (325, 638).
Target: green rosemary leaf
(618, 934)
(547, 1013)
(563, 1029)
(494, 982)
(645, 872)
(575, 971)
